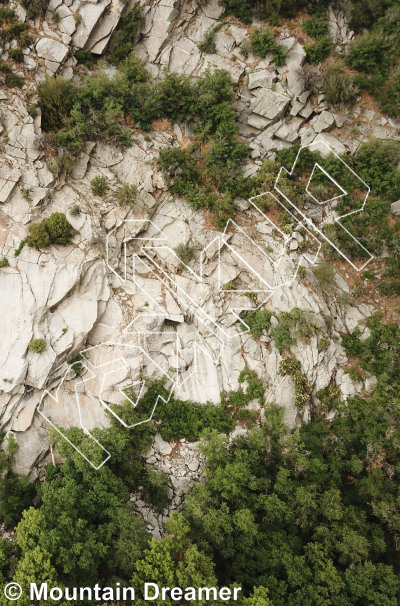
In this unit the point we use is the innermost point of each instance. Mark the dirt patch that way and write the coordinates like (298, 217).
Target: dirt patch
(162, 124)
(186, 142)
(368, 293)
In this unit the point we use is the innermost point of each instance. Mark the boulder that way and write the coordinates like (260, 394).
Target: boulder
(296, 80)
(325, 121)
(162, 446)
(53, 52)
(194, 465)
(32, 446)
(395, 208)
(270, 105)
(297, 106)
(333, 143)
(9, 178)
(306, 111)
(262, 79)
(258, 122)
(295, 77)
(90, 15)
(67, 23)
(296, 56)
(289, 131)
(107, 23)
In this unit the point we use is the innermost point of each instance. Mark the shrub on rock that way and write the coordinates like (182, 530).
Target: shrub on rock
(54, 230)
(37, 345)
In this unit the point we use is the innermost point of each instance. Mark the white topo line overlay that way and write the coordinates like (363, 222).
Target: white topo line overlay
(186, 301)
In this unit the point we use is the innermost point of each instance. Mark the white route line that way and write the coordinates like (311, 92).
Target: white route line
(187, 302)
(338, 219)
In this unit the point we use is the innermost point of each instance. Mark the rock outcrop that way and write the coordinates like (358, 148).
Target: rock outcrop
(74, 298)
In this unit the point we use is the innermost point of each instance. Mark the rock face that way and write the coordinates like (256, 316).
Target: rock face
(183, 464)
(325, 121)
(53, 52)
(79, 297)
(395, 208)
(96, 25)
(8, 180)
(270, 105)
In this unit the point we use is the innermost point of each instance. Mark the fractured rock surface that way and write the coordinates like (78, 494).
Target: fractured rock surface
(72, 299)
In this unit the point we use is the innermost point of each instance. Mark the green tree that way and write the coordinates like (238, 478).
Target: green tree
(174, 562)
(16, 493)
(34, 567)
(59, 229)
(55, 101)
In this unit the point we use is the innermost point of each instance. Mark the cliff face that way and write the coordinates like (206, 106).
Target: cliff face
(119, 290)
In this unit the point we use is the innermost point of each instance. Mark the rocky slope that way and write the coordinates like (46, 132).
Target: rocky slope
(77, 297)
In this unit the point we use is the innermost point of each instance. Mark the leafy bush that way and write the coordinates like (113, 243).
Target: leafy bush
(187, 419)
(21, 245)
(134, 69)
(324, 343)
(242, 9)
(100, 104)
(38, 235)
(4, 262)
(317, 26)
(11, 79)
(16, 493)
(207, 45)
(84, 57)
(16, 54)
(55, 101)
(32, 110)
(319, 50)
(181, 168)
(292, 367)
(155, 488)
(261, 9)
(127, 194)
(235, 402)
(258, 321)
(15, 31)
(59, 229)
(77, 363)
(340, 88)
(37, 345)
(185, 253)
(291, 327)
(389, 94)
(7, 14)
(377, 163)
(263, 42)
(177, 98)
(123, 39)
(99, 185)
(302, 272)
(34, 8)
(74, 210)
(289, 366)
(314, 503)
(376, 53)
(370, 52)
(325, 274)
(54, 230)
(365, 13)
(329, 398)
